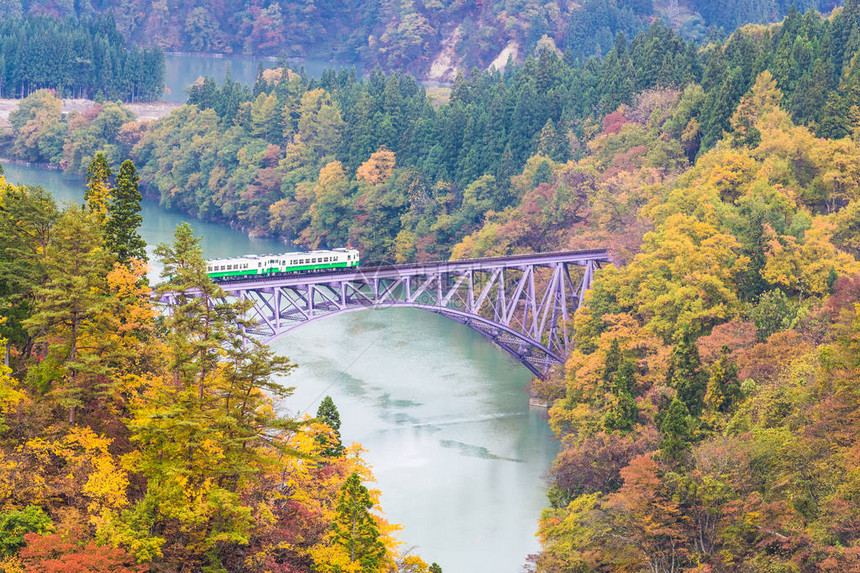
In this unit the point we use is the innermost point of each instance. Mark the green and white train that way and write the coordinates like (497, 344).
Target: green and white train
(256, 265)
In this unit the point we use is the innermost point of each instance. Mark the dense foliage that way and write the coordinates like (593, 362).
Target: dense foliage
(374, 163)
(135, 440)
(411, 35)
(85, 58)
(709, 414)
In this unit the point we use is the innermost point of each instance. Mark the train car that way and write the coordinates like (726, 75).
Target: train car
(251, 266)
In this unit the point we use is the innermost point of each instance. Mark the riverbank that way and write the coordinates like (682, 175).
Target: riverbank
(6, 160)
(149, 111)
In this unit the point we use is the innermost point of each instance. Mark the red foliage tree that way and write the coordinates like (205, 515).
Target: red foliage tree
(55, 553)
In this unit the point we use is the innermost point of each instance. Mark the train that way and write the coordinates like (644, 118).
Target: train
(250, 266)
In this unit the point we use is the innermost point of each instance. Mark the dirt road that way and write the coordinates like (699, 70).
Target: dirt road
(143, 111)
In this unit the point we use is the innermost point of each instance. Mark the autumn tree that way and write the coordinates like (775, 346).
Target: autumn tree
(98, 194)
(56, 553)
(378, 168)
(64, 318)
(15, 524)
(209, 428)
(763, 97)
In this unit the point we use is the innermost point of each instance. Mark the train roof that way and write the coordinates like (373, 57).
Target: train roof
(289, 254)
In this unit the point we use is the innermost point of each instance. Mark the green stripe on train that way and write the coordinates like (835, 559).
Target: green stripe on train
(252, 272)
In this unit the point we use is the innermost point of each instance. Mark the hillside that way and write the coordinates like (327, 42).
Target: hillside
(134, 440)
(413, 35)
(373, 163)
(708, 415)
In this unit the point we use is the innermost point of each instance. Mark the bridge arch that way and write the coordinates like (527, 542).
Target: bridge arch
(532, 354)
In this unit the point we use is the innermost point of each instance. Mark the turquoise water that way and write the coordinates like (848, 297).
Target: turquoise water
(181, 70)
(443, 413)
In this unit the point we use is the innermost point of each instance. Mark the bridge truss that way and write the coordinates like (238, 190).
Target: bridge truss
(522, 303)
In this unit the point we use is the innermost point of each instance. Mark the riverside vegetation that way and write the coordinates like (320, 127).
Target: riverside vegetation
(709, 414)
(131, 440)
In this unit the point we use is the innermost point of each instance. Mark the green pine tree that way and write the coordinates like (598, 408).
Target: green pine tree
(622, 414)
(27, 218)
(121, 231)
(354, 527)
(674, 425)
(64, 318)
(686, 376)
(327, 413)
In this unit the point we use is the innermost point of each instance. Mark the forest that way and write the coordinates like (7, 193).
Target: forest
(410, 35)
(377, 164)
(709, 415)
(86, 58)
(133, 439)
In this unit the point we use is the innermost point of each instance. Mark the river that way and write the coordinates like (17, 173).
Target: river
(443, 414)
(180, 70)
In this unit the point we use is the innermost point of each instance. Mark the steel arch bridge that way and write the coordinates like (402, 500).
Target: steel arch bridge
(519, 302)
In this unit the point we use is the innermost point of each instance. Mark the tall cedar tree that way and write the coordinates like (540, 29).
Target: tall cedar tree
(675, 428)
(121, 230)
(685, 374)
(327, 413)
(354, 527)
(65, 314)
(27, 218)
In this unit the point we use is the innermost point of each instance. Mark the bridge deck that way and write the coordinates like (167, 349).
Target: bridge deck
(399, 271)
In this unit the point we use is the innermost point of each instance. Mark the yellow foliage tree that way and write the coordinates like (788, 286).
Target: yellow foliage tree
(378, 168)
